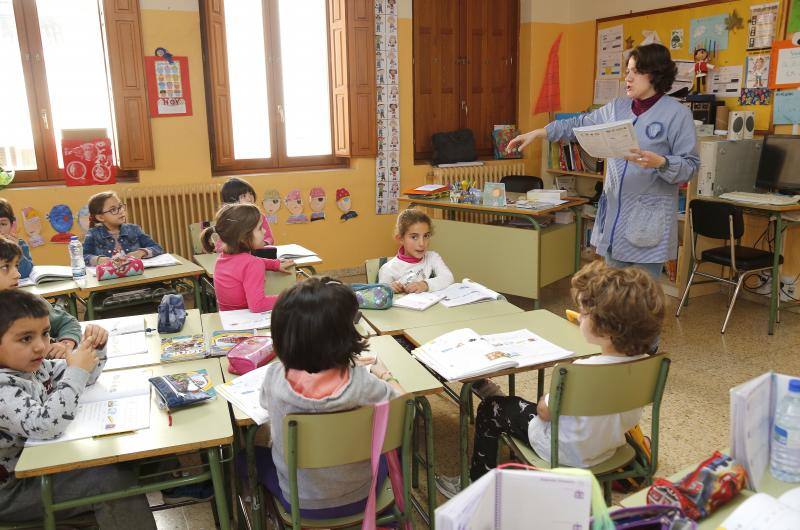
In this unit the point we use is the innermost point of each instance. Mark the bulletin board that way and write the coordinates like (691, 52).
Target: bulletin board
(682, 19)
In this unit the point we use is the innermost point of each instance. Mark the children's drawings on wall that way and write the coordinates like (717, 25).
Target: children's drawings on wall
(272, 203)
(387, 166)
(316, 199)
(676, 39)
(83, 218)
(786, 110)
(344, 204)
(32, 221)
(709, 33)
(60, 217)
(757, 71)
(294, 203)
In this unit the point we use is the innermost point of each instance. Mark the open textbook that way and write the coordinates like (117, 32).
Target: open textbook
(117, 402)
(753, 406)
(510, 499)
(126, 335)
(462, 354)
(244, 320)
(46, 273)
(244, 393)
(463, 293)
(764, 512)
(608, 140)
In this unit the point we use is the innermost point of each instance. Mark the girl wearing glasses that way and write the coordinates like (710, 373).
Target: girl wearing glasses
(110, 233)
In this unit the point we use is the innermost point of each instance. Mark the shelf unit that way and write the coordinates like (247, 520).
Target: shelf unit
(558, 172)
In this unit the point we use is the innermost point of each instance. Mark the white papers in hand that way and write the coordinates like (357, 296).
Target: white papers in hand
(608, 140)
(244, 320)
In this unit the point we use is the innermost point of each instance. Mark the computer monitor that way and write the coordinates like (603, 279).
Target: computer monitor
(779, 168)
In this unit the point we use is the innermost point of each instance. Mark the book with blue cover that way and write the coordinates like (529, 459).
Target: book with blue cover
(180, 390)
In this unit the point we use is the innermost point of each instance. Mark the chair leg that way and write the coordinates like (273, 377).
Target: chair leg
(607, 492)
(733, 302)
(685, 296)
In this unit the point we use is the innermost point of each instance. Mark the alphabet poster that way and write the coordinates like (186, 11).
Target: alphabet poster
(387, 162)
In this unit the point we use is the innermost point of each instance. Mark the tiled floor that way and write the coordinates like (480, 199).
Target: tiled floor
(694, 416)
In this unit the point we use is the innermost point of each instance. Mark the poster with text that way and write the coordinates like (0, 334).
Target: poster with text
(168, 90)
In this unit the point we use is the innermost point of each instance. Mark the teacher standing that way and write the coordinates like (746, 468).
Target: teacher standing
(636, 220)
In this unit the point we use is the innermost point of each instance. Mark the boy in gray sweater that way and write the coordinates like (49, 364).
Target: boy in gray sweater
(38, 399)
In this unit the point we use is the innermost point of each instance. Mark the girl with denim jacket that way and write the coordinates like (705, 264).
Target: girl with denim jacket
(110, 234)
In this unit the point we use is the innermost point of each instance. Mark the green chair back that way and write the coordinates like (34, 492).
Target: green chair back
(276, 282)
(373, 266)
(194, 237)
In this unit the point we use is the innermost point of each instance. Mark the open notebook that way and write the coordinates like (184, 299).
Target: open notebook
(764, 512)
(126, 335)
(463, 293)
(46, 273)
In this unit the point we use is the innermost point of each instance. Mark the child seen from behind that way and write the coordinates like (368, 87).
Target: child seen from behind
(238, 275)
(111, 235)
(38, 399)
(316, 340)
(622, 311)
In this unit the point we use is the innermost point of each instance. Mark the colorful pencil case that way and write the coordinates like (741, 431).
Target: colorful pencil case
(250, 354)
(112, 270)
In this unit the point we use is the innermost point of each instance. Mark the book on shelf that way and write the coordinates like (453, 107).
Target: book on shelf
(118, 401)
(765, 512)
(46, 273)
(463, 354)
(244, 393)
(179, 390)
(510, 499)
(183, 348)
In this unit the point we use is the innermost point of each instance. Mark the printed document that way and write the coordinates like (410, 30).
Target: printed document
(608, 140)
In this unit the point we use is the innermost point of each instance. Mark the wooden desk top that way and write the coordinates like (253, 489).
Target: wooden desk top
(542, 322)
(411, 375)
(198, 427)
(754, 206)
(571, 201)
(192, 326)
(50, 289)
(154, 274)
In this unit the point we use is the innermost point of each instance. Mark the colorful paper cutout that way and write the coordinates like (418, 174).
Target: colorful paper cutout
(272, 203)
(755, 96)
(549, 99)
(317, 199)
(294, 203)
(32, 221)
(344, 204)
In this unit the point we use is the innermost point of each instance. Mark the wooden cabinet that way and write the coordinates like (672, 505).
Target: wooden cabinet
(465, 69)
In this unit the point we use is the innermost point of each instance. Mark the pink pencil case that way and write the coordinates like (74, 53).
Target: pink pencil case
(250, 354)
(111, 271)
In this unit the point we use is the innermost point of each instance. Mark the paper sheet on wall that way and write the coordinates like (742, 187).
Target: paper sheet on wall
(608, 140)
(387, 90)
(710, 33)
(609, 49)
(609, 39)
(761, 25)
(786, 107)
(788, 67)
(725, 81)
(685, 77)
(605, 90)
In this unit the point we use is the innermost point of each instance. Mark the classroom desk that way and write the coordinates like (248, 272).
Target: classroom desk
(66, 288)
(510, 260)
(394, 320)
(776, 212)
(769, 485)
(205, 426)
(192, 326)
(542, 322)
(209, 262)
(212, 323)
(411, 375)
(184, 270)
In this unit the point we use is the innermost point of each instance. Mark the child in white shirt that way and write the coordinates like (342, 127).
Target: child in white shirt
(622, 311)
(415, 269)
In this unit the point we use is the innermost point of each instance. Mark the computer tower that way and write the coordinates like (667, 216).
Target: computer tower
(727, 165)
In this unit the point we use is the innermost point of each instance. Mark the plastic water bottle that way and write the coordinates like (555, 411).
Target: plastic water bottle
(76, 260)
(785, 451)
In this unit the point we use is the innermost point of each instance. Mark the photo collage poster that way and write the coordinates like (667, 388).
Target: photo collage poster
(387, 88)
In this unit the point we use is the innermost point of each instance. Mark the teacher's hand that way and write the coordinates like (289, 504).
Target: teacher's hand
(523, 140)
(646, 159)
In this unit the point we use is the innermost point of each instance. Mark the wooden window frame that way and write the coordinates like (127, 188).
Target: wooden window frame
(346, 140)
(130, 121)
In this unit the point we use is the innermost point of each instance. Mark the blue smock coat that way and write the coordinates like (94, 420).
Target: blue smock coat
(637, 215)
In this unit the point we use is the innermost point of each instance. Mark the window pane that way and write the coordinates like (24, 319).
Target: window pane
(306, 88)
(16, 137)
(247, 76)
(74, 59)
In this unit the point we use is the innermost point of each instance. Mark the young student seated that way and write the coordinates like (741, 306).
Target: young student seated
(622, 311)
(238, 191)
(7, 221)
(38, 399)
(65, 331)
(238, 275)
(415, 269)
(110, 233)
(316, 341)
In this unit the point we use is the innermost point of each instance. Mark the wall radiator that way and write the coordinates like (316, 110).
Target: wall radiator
(490, 172)
(166, 212)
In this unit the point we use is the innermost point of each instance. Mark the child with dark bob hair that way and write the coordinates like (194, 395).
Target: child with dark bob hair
(316, 341)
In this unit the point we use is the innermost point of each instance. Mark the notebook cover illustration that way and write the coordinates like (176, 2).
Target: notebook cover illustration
(183, 389)
(183, 348)
(222, 341)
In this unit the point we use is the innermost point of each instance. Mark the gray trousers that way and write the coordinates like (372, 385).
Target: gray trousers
(22, 499)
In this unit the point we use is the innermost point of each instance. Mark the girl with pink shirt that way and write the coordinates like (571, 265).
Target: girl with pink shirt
(238, 275)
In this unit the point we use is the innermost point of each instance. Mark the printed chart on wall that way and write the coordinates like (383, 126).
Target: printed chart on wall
(387, 88)
(168, 86)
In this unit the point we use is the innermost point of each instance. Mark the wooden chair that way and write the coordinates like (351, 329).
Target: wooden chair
(596, 390)
(310, 443)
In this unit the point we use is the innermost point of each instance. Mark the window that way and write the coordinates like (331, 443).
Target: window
(465, 69)
(268, 67)
(58, 78)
